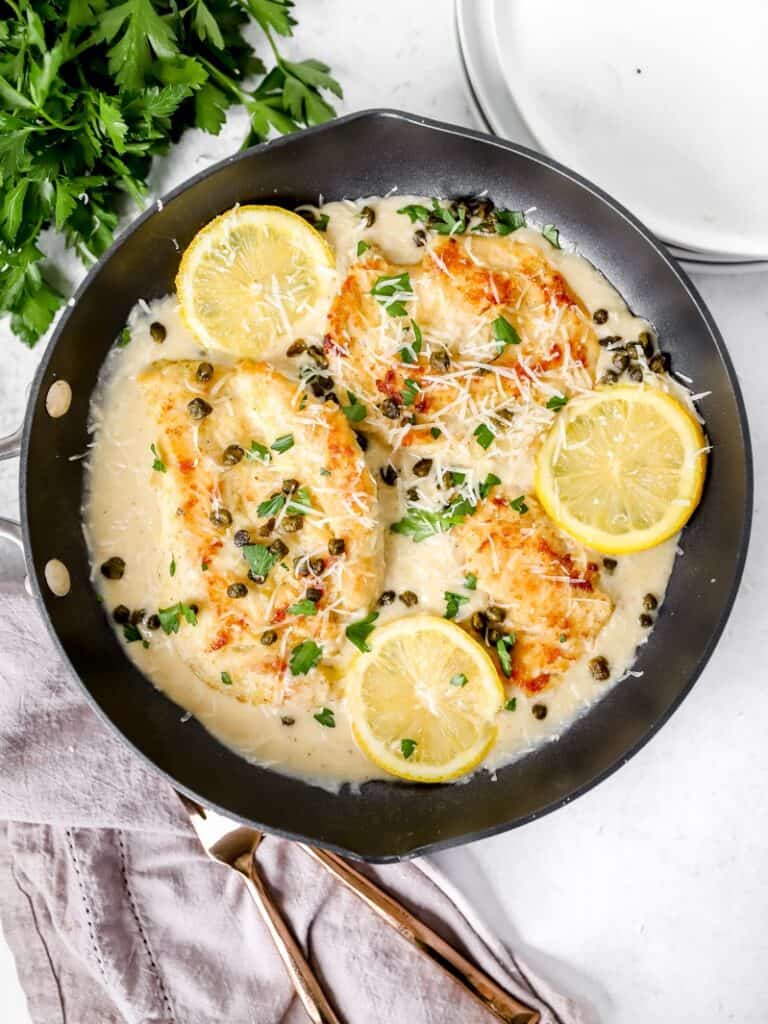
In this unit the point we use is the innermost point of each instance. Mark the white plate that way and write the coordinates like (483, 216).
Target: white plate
(666, 109)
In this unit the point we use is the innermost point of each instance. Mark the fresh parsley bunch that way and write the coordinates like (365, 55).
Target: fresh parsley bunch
(91, 90)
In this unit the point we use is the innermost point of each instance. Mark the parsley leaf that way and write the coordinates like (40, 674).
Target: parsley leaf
(259, 558)
(158, 465)
(303, 607)
(124, 338)
(470, 581)
(304, 657)
(410, 391)
(511, 704)
(484, 436)
(131, 633)
(362, 247)
(355, 411)
(459, 679)
(508, 221)
(420, 523)
(435, 432)
(452, 603)
(226, 678)
(490, 481)
(519, 505)
(392, 292)
(358, 632)
(415, 213)
(504, 646)
(170, 618)
(504, 333)
(299, 503)
(409, 352)
(259, 452)
(172, 566)
(326, 718)
(271, 506)
(282, 444)
(557, 402)
(552, 235)
(407, 748)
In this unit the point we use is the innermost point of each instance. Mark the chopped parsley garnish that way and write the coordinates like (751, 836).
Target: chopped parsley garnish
(392, 292)
(557, 402)
(299, 503)
(358, 632)
(204, 566)
(259, 558)
(490, 481)
(158, 465)
(259, 452)
(508, 221)
(226, 678)
(445, 222)
(452, 603)
(172, 566)
(504, 333)
(131, 633)
(504, 646)
(362, 247)
(282, 444)
(271, 506)
(303, 607)
(435, 432)
(415, 213)
(420, 523)
(355, 411)
(470, 581)
(170, 618)
(409, 353)
(511, 704)
(124, 338)
(319, 221)
(484, 436)
(407, 747)
(552, 235)
(325, 472)
(457, 478)
(519, 505)
(563, 638)
(304, 657)
(459, 679)
(326, 718)
(410, 391)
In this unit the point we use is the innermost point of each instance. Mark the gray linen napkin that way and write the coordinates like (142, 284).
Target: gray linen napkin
(115, 914)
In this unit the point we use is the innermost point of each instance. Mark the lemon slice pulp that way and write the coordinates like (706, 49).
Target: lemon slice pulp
(622, 469)
(423, 701)
(251, 278)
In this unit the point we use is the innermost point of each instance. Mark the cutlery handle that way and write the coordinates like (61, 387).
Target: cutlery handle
(504, 1006)
(307, 987)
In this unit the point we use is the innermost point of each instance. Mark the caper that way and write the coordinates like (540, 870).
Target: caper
(268, 638)
(296, 348)
(320, 386)
(301, 565)
(332, 397)
(493, 635)
(362, 440)
(113, 568)
(620, 360)
(317, 356)
(265, 530)
(278, 548)
(368, 216)
(289, 486)
(158, 332)
(539, 711)
(636, 373)
(316, 565)
(221, 517)
(337, 546)
(198, 409)
(609, 564)
(439, 360)
(610, 339)
(480, 206)
(422, 467)
(420, 237)
(121, 614)
(505, 414)
(292, 524)
(659, 363)
(237, 590)
(388, 473)
(646, 620)
(233, 453)
(646, 342)
(194, 609)
(408, 598)
(286, 719)
(153, 622)
(390, 408)
(479, 621)
(600, 668)
(387, 597)
(600, 316)
(256, 577)
(137, 616)
(495, 614)
(609, 377)
(204, 372)
(315, 594)
(412, 494)
(650, 602)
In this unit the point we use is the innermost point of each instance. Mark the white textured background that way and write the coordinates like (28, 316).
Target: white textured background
(648, 898)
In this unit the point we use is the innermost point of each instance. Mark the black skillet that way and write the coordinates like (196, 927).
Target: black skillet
(369, 154)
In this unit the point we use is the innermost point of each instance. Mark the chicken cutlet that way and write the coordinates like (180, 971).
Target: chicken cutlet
(271, 516)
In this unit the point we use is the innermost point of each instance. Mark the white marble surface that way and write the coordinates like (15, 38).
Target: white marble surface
(647, 899)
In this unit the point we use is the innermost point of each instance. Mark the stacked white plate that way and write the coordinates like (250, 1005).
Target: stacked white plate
(664, 106)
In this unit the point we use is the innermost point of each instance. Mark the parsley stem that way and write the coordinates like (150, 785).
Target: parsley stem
(224, 80)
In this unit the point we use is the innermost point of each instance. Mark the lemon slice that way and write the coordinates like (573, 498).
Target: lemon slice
(622, 468)
(423, 701)
(252, 277)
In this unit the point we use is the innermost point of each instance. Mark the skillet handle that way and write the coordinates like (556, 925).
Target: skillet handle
(10, 448)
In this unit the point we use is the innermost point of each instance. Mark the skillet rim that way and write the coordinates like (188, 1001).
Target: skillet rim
(700, 308)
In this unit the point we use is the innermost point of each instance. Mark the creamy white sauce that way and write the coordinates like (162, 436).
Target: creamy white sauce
(121, 517)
